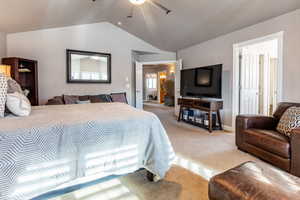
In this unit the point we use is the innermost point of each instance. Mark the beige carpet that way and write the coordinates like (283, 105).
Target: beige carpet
(200, 155)
(215, 152)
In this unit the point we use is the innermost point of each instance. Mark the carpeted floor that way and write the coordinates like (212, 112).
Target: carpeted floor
(215, 152)
(200, 155)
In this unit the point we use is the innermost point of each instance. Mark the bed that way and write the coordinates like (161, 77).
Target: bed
(57, 145)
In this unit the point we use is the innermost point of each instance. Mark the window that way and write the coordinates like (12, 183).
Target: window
(88, 75)
(151, 81)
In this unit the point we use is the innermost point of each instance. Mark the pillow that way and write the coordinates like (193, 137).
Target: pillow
(58, 100)
(13, 86)
(70, 99)
(18, 104)
(84, 98)
(100, 98)
(289, 121)
(83, 102)
(26, 92)
(3, 92)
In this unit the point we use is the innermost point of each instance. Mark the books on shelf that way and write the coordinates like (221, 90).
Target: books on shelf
(197, 117)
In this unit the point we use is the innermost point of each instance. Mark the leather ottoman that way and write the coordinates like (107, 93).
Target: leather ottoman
(253, 181)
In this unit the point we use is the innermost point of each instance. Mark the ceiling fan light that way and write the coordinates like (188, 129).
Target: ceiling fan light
(137, 2)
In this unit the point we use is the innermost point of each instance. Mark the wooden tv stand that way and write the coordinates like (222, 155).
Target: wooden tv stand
(205, 105)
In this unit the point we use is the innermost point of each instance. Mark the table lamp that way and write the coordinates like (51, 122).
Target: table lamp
(5, 69)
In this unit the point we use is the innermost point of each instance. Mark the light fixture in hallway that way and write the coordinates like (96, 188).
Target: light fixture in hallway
(137, 2)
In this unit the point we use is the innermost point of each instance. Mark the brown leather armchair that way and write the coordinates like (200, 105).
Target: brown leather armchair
(257, 135)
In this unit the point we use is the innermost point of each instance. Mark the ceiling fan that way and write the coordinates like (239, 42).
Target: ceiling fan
(140, 2)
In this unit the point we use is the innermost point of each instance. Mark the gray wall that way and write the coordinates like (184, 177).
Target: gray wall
(48, 46)
(2, 45)
(220, 50)
(164, 56)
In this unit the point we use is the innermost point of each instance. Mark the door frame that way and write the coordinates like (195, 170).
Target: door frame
(155, 63)
(236, 70)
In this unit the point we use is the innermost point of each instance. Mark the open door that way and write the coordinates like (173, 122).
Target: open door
(249, 84)
(177, 85)
(139, 85)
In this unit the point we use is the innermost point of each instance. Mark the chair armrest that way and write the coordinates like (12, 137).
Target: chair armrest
(255, 121)
(244, 122)
(295, 152)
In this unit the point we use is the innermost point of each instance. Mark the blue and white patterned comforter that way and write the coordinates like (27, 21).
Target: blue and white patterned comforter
(56, 145)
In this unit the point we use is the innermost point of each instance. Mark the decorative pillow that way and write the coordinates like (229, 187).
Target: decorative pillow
(58, 100)
(18, 104)
(100, 98)
(83, 102)
(289, 121)
(84, 98)
(3, 92)
(70, 99)
(13, 86)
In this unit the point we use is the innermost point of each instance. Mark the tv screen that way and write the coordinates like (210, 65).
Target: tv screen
(202, 82)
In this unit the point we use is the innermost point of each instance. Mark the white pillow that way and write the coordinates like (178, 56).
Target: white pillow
(13, 86)
(18, 104)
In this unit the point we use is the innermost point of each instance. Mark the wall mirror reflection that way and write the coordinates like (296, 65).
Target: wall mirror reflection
(88, 67)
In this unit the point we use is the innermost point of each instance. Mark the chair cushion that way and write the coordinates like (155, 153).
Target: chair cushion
(255, 181)
(289, 121)
(268, 140)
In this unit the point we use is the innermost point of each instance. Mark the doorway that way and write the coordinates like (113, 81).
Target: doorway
(158, 83)
(257, 75)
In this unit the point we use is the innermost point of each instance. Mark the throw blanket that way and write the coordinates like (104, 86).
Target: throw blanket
(59, 144)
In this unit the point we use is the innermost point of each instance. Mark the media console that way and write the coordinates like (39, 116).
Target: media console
(207, 106)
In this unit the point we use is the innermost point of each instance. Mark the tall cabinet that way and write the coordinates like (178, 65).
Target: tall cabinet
(25, 72)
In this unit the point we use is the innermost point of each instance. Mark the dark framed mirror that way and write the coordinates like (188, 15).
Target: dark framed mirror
(88, 67)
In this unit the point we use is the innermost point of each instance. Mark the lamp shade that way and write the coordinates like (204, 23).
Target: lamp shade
(5, 69)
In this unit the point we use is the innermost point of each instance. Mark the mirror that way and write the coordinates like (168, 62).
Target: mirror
(88, 67)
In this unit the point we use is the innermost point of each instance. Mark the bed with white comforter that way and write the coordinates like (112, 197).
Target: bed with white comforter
(56, 145)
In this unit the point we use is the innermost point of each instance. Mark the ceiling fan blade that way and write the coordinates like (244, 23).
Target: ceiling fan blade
(131, 12)
(160, 6)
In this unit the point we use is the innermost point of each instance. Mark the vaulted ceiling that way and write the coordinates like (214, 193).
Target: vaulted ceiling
(189, 23)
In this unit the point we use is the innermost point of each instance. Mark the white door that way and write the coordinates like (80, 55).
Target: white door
(177, 84)
(249, 84)
(139, 85)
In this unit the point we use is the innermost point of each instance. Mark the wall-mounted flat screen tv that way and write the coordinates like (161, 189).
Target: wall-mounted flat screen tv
(202, 82)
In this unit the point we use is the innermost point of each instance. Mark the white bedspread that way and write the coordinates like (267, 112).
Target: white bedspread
(59, 144)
